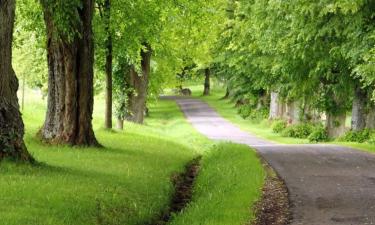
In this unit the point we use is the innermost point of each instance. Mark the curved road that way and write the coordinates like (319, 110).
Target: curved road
(327, 184)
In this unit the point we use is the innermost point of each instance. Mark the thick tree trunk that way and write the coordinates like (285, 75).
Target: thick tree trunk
(139, 84)
(207, 84)
(70, 81)
(11, 125)
(293, 112)
(277, 107)
(335, 125)
(108, 65)
(359, 109)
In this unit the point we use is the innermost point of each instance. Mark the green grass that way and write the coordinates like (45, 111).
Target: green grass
(361, 146)
(228, 184)
(227, 110)
(128, 181)
(261, 129)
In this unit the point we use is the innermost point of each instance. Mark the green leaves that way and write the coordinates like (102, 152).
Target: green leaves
(300, 48)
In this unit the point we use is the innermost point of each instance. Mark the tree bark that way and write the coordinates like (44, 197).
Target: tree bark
(207, 84)
(108, 65)
(335, 125)
(227, 93)
(120, 124)
(359, 109)
(293, 112)
(11, 124)
(137, 95)
(70, 81)
(277, 107)
(370, 118)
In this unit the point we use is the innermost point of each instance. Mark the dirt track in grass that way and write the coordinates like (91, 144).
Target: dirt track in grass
(183, 185)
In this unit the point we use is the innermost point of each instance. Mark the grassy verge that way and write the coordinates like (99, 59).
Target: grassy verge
(227, 110)
(261, 129)
(127, 182)
(229, 183)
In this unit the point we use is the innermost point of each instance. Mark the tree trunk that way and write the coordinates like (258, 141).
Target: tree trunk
(359, 109)
(293, 112)
(70, 81)
(108, 65)
(227, 93)
(11, 124)
(277, 107)
(370, 120)
(137, 96)
(207, 85)
(120, 124)
(335, 125)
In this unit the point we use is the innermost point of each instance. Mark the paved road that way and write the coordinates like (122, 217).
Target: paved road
(328, 185)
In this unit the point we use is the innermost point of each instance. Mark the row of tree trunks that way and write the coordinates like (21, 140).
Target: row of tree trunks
(207, 84)
(293, 112)
(11, 125)
(137, 96)
(277, 107)
(108, 65)
(70, 81)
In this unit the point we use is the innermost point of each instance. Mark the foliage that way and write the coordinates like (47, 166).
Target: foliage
(372, 138)
(248, 111)
(313, 51)
(302, 130)
(29, 54)
(356, 136)
(278, 126)
(319, 134)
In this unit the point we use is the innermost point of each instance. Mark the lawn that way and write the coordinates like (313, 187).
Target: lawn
(129, 180)
(228, 185)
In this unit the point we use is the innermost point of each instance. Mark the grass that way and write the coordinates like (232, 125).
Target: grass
(128, 181)
(228, 184)
(261, 129)
(227, 110)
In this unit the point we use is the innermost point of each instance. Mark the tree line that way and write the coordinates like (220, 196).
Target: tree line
(70, 48)
(301, 61)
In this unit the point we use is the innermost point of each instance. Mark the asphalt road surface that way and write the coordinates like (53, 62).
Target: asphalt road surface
(327, 184)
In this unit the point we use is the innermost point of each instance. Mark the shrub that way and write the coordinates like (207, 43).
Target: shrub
(278, 126)
(244, 111)
(249, 112)
(357, 136)
(302, 130)
(319, 134)
(372, 138)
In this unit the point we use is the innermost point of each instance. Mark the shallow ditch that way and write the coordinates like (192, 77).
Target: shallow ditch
(183, 186)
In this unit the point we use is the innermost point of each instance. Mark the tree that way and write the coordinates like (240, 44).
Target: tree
(308, 55)
(207, 84)
(105, 14)
(11, 125)
(139, 84)
(70, 53)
